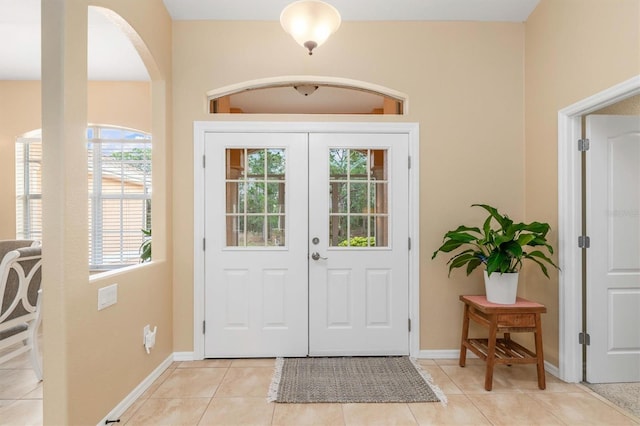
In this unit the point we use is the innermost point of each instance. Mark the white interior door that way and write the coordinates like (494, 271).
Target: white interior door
(358, 244)
(613, 260)
(256, 287)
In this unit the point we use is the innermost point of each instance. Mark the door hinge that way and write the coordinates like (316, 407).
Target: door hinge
(409, 325)
(584, 241)
(583, 145)
(204, 326)
(204, 244)
(584, 338)
(409, 163)
(409, 243)
(204, 161)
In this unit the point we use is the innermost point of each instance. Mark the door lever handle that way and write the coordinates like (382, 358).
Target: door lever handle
(316, 256)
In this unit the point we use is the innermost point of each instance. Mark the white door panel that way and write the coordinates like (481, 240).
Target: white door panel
(256, 261)
(613, 261)
(358, 295)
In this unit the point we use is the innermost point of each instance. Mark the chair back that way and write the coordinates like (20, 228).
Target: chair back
(20, 278)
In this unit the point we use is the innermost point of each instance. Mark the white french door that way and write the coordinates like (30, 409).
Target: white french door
(306, 244)
(613, 260)
(256, 256)
(358, 240)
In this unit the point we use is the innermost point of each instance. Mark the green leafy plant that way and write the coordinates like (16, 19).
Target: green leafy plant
(145, 247)
(358, 242)
(500, 248)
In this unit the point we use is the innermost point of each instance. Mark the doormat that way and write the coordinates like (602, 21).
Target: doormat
(352, 380)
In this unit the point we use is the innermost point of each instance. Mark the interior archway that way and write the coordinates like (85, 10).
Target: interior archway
(307, 95)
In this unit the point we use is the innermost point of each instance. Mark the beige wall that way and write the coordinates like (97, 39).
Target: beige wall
(94, 359)
(574, 49)
(19, 113)
(465, 86)
(119, 103)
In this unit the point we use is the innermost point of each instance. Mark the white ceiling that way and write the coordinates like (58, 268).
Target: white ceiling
(360, 10)
(112, 57)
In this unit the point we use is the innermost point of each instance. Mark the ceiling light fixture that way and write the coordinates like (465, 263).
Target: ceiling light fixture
(306, 89)
(310, 22)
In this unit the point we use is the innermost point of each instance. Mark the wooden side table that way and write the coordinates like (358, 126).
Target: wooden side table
(523, 316)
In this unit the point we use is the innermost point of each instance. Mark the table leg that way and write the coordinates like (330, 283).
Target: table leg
(465, 335)
(491, 352)
(539, 353)
(507, 341)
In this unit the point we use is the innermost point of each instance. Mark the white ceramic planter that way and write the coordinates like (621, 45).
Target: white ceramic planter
(501, 288)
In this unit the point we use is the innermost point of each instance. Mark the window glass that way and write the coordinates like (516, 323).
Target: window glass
(255, 197)
(119, 181)
(358, 210)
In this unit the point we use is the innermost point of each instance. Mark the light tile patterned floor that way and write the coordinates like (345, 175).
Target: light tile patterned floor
(233, 392)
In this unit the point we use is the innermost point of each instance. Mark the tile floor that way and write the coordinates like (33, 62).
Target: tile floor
(233, 392)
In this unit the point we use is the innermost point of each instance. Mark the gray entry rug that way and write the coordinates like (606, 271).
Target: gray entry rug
(624, 395)
(352, 380)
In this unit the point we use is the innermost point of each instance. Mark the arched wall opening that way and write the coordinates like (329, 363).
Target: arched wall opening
(306, 94)
(80, 379)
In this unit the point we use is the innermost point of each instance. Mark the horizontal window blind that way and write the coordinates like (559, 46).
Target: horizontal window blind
(119, 181)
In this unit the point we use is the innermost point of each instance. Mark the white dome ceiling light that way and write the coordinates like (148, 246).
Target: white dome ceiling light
(310, 22)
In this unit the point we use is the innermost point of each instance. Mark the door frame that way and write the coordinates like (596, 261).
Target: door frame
(570, 222)
(200, 128)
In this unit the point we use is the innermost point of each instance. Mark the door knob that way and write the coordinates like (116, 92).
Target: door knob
(316, 256)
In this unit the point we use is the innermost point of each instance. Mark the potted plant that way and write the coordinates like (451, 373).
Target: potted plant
(500, 245)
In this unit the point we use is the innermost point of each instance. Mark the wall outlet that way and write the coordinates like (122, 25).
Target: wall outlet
(107, 296)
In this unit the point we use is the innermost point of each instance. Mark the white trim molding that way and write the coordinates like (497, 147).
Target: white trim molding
(570, 222)
(455, 354)
(443, 354)
(128, 401)
(183, 356)
(200, 128)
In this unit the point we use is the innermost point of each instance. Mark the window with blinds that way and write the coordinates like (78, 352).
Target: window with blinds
(119, 174)
(29, 187)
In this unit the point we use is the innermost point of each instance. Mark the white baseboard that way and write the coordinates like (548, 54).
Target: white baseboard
(139, 390)
(551, 369)
(183, 356)
(455, 354)
(443, 354)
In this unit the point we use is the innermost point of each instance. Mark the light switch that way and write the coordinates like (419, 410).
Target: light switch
(107, 296)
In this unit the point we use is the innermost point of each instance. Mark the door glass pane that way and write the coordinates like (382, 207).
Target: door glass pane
(255, 231)
(359, 211)
(358, 226)
(255, 197)
(358, 164)
(358, 197)
(255, 200)
(338, 197)
(255, 163)
(235, 163)
(275, 164)
(338, 163)
(379, 231)
(378, 198)
(235, 197)
(275, 197)
(275, 230)
(338, 229)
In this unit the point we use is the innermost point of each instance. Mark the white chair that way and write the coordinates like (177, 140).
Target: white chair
(20, 277)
